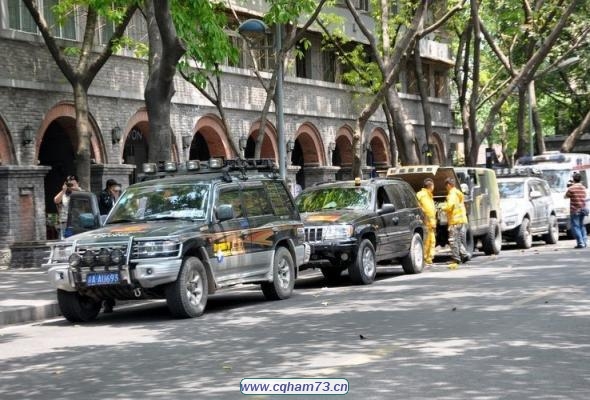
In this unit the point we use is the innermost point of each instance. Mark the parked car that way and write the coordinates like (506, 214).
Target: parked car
(527, 207)
(558, 168)
(482, 201)
(182, 235)
(355, 225)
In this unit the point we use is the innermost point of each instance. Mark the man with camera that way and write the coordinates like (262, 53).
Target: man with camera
(62, 201)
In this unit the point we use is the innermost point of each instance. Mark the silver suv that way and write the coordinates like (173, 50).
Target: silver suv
(527, 208)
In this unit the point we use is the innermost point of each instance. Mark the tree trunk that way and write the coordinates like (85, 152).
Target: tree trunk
(391, 131)
(83, 131)
(423, 89)
(570, 141)
(522, 146)
(404, 130)
(537, 124)
(164, 53)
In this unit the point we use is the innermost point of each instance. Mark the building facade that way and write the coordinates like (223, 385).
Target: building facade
(38, 134)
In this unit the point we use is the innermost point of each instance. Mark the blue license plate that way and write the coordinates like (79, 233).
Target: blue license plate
(102, 278)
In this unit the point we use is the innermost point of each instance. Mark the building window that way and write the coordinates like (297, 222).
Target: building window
(440, 84)
(362, 5)
(67, 30)
(19, 17)
(329, 66)
(137, 28)
(303, 61)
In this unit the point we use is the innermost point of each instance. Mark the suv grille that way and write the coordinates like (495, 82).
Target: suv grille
(313, 234)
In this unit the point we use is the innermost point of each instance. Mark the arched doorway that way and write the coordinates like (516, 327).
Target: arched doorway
(342, 154)
(210, 140)
(307, 151)
(377, 152)
(56, 148)
(135, 149)
(269, 147)
(7, 155)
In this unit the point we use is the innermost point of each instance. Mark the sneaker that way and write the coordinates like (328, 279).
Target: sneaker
(580, 246)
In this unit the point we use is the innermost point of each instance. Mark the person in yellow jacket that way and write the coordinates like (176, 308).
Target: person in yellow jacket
(426, 201)
(456, 220)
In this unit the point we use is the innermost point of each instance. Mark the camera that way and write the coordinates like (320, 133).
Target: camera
(69, 184)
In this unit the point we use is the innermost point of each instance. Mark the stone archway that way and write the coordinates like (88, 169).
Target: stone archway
(7, 154)
(270, 147)
(209, 139)
(342, 154)
(377, 152)
(135, 138)
(56, 144)
(308, 152)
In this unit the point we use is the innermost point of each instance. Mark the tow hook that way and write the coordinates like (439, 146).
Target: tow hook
(137, 292)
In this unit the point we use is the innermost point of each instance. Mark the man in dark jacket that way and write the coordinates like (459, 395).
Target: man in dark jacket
(108, 196)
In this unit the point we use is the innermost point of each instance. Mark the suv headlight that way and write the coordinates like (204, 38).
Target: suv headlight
(156, 248)
(61, 253)
(337, 232)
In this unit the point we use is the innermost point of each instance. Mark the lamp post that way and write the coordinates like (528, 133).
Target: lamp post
(257, 27)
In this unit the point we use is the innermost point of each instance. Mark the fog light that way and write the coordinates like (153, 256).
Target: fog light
(344, 256)
(149, 271)
(117, 257)
(88, 258)
(74, 260)
(104, 257)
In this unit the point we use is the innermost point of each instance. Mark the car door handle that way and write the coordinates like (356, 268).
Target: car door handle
(395, 220)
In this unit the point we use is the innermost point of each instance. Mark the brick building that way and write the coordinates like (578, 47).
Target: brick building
(37, 121)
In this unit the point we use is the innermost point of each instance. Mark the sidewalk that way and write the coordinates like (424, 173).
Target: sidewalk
(26, 295)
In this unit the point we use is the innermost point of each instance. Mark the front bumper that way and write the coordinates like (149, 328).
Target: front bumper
(343, 250)
(145, 274)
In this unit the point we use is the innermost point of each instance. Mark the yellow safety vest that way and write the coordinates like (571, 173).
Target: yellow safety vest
(455, 208)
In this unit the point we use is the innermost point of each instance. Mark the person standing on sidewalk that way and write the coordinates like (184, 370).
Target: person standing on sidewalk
(62, 201)
(577, 195)
(456, 220)
(426, 201)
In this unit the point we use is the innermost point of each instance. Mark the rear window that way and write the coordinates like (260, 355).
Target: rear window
(280, 200)
(335, 198)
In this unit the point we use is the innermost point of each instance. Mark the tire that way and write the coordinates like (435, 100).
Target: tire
(76, 307)
(413, 262)
(492, 241)
(283, 276)
(364, 268)
(552, 235)
(524, 239)
(332, 274)
(187, 297)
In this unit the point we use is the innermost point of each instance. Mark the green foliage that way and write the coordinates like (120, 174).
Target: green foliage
(202, 27)
(334, 198)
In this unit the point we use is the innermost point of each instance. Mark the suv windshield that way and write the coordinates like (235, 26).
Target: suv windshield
(165, 201)
(511, 190)
(557, 179)
(356, 198)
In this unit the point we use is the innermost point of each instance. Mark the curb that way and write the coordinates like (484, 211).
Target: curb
(19, 313)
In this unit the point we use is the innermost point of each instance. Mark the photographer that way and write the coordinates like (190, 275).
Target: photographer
(62, 201)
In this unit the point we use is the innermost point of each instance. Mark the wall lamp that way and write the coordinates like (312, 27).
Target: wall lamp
(28, 134)
(116, 134)
(243, 142)
(290, 146)
(186, 141)
(332, 147)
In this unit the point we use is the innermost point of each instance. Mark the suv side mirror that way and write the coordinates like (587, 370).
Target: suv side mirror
(535, 194)
(224, 212)
(387, 208)
(465, 188)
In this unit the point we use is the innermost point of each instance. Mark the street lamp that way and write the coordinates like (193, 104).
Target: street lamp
(255, 27)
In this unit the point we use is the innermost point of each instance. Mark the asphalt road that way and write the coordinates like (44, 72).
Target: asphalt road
(515, 326)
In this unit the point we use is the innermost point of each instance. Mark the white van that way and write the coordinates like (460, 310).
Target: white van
(557, 169)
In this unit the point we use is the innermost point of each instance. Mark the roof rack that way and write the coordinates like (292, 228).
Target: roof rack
(213, 165)
(518, 172)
